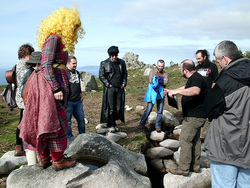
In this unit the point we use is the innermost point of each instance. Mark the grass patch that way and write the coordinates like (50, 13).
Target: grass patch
(135, 92)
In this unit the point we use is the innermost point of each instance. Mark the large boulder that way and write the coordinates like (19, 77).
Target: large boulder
(9, 162)
(132, 61)
(100, 163)
(88, 81)
(197, 180)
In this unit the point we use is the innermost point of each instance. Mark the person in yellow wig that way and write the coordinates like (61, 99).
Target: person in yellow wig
(56, 37)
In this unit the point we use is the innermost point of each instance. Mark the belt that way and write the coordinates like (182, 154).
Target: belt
(59, 66)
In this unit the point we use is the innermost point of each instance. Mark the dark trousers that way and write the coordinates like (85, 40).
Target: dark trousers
(114, 104)
(19, 141)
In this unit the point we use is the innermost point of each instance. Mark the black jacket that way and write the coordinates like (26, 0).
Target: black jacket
(106, 72)
(227, 104)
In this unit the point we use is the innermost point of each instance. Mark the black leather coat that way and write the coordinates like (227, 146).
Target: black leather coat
(106, 72)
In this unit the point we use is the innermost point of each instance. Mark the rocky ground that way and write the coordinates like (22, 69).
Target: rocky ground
(135, 92)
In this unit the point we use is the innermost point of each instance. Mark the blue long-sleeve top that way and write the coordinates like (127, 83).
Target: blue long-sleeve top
(155, 90)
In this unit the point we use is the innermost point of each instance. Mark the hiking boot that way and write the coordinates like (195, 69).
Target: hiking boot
(197, 170)
(179, 172)
(45, 162)
(19, 151)
(112, 130)
(158, 129)
(63, 163)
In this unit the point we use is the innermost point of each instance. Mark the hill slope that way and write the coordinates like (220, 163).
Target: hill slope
(135, 92)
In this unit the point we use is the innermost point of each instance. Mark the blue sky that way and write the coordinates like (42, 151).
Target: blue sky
(153, 29)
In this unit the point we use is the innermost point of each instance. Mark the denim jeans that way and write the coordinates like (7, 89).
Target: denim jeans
(75, 109)
(160, 105)
(225, 175)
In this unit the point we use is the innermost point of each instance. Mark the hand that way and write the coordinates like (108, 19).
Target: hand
(165, 92)
(110, 85)
(59, 95)
(171, 93)
(123, 85)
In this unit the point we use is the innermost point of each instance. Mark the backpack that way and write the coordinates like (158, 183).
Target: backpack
(10, 75)
(9, 96)
(9, 93)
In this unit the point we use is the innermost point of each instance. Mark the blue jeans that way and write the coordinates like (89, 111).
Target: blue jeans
(75, 108)
(225, 175)
(160, 105)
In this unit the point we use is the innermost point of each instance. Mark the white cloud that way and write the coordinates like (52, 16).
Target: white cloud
(187, 19)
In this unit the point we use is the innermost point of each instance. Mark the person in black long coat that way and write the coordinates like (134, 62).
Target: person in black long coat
(113, 74)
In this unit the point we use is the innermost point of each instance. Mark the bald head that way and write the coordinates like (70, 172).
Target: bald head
(188, 64)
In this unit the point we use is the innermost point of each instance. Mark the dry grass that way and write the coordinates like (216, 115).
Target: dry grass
(135, 92)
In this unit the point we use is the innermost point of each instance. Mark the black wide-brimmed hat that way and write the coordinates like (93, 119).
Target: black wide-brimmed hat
(35, 58)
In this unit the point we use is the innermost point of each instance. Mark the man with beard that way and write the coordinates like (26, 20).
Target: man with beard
(113, 74)
(205, 67)
(158, 79)
(193, 94)
(75, 106)
(209, 71)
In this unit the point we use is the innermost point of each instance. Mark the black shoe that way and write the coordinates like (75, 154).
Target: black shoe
(158, 129)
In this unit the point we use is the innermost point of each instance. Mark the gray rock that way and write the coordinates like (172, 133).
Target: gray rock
(147, 71)
(102, 131)
(205, 162)
(169, 164)
(99, 126)
(152, 118)
(132, 61)
(194, 180)
(116, 166)
(139, 107)
(168, 119)
(177, 133)
(177, 156)
(115, 137)
(163, 166)
(88, 81)
(170, 144)
(128, 108)
(140, 110)
(158, 165)
(159, 152)
(8, 162)
(157, 136)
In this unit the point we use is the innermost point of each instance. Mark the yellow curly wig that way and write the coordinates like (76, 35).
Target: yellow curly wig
(66, 24)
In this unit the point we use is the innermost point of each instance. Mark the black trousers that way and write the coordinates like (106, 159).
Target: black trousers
(19, 141)
(114, 105)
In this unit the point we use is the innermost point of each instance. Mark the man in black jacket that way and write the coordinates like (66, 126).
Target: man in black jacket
(75, 106)
(113, 74)
(209, 71)
(227, 105)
